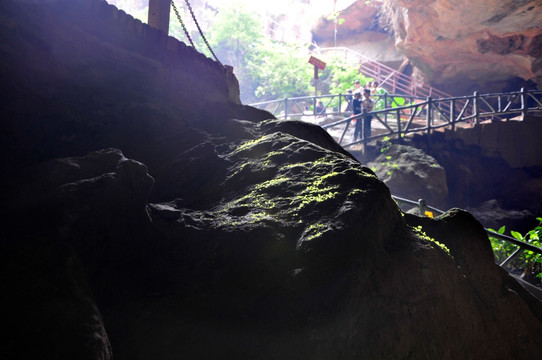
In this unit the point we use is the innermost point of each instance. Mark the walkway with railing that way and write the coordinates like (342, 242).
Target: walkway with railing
(396, 115)
(390, 79)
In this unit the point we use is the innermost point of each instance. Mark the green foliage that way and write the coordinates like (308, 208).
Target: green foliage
(266, 69)
(278, 71)
(235, 33)
(418, 230)
(386, 144)
(527, 260)
(340, 75)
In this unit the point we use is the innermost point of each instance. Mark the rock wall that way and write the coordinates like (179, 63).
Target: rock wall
(490, 161)
(55, 49)
(517, 142)
(361, 30)
(462, 46)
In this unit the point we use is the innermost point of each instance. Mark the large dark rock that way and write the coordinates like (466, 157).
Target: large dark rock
(411, 173)
(160, 228)
(475, 175)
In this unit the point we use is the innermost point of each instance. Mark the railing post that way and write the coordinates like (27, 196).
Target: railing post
(422, 206)
(476, 108)
(452, 114)
(398, 114)
(285, 108)
(429, 114)
(523, 103)
(363, 132)
(340, 103)
(385, 107)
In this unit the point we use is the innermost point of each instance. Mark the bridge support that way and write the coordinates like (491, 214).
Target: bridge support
(159, 14)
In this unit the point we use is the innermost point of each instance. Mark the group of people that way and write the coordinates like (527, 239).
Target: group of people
(363, 104)
(359, 102)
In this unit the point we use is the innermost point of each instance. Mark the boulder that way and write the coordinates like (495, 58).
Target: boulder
(492, 215)
(411, 173)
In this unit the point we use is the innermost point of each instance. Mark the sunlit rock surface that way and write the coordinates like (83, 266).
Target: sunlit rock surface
(465, 45)
(154, 227)
(361, 28)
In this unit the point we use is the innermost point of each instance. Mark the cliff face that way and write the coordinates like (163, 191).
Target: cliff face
(361, 29)
(461, 46)
(153, 224)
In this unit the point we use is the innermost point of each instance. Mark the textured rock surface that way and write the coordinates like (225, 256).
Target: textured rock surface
(491, 214)
(461, 46)
(412, 174)
(490, 161)
(221, 233)
(360, 30)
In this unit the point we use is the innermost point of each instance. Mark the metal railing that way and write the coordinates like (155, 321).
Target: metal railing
(418, 115)
(335, 104)
(389, 79)
(522, 246)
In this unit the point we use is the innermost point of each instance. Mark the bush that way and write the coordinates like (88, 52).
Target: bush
(529, 262)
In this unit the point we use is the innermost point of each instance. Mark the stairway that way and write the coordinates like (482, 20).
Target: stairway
(390, 79)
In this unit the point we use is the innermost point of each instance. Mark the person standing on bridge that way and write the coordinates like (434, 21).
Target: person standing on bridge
(357, 86)
(367, 106)
(356, 110)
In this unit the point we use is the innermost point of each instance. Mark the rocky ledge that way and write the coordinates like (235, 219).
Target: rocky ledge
(266, 240)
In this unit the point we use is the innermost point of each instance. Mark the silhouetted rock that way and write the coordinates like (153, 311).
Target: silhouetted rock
(412, 174)
(491, 214)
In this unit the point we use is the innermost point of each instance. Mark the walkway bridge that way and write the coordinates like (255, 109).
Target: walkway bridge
(397, 115)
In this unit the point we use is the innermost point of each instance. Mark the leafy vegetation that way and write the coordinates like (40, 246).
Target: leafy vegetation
(267, 69)
(528, 261)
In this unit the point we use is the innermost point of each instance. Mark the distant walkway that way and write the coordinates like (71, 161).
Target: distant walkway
(396, 116)
(390, 79)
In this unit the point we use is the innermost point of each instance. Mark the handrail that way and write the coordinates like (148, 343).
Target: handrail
(523, 246)
(420, 114)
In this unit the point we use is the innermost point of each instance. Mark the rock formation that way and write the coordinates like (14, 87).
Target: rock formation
(488, 162)
(149, 215)
(360, 28)
(462, 46)
(412, 174)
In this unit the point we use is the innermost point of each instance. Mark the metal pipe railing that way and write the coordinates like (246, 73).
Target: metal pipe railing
(523, 246)
(433, 113)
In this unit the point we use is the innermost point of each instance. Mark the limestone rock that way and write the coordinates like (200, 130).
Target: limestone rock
(491, 214)
(362, 30)
(412, 174)
(48, 273)
(463, 45)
